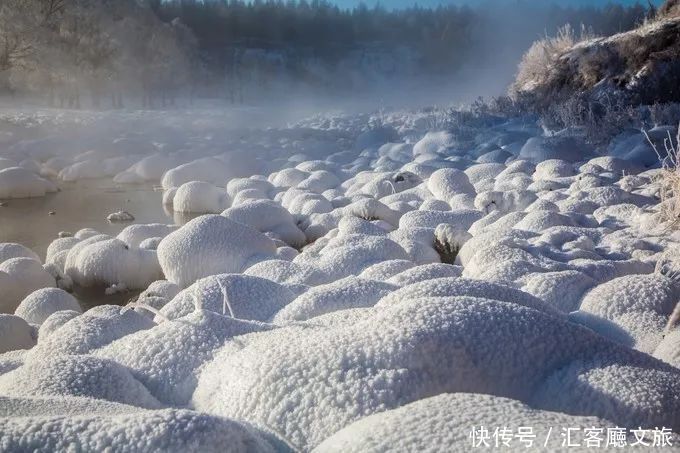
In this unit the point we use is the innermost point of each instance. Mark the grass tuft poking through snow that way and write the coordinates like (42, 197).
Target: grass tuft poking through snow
(448, 241)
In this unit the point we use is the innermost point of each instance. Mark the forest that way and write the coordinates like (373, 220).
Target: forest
(108, 53)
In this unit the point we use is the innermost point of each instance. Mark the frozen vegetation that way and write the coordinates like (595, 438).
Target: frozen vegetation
(354, 283)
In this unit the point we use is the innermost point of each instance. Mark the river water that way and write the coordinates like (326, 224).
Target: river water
(83, 204)
(35, 222)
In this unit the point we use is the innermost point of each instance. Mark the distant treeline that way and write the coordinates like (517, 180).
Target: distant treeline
(156, 50)
(443, 33)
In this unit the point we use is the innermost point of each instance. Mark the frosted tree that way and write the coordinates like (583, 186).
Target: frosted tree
(26, 28)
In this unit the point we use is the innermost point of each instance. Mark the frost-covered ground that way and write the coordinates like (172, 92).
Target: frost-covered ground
(357, 283)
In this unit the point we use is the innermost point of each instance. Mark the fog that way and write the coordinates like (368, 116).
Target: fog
(300, 58)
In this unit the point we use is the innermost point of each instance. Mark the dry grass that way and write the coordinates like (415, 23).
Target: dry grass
(671, 8)
(641, 66)
(539, 61)
(669, 181)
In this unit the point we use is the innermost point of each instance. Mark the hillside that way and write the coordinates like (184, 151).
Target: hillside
(641, 66)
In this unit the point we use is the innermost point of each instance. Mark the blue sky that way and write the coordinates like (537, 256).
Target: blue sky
(407, 3)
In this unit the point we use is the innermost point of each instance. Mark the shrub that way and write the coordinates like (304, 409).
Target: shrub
(600, 119)
(669, 181)
(670, 8)
(538, 63)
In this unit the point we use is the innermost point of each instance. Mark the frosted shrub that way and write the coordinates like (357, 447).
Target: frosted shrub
(600, 119)
(538, 62)
(669, 180)
(670, 8)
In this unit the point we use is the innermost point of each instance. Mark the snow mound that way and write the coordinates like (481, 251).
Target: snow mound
(449, 182)
(168, 368)
(386, 269)
(77, 375)
(170, 430)
(287, 273)
(562, 289)
(640, 304)
(161, 288)
(434, 143)
(112, 262)
(93, 329)
(504, 202)
(210, 245)
(625, 388)
(58, 249)
(96, 167)
(120, 216)
(343, 294)
(17, 182)
(445, 287)
(199, 197)
(15, 333)
(151, 168)
(461, 219)
(669, 349)
(425, 272)
(447, 420)
(262, 188)
(313, 382)
(350, 255)
(240, 296)
(19, 277)
(10, 250)
(268, 216)
(40, 304)
(566, 148)
(214, 170)
(134, 235)
(54, 322)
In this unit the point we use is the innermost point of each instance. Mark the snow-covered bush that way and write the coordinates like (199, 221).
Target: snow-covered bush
(448, 240)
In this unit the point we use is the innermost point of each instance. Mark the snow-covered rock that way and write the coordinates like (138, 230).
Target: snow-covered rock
(450, 420)
(240, 296)
(199, 197)
(17, 182)
(210, 245)
(113, 262)
(268, 216)
(318, 380)
(124, 428)
(40, 304)
(15, 333)
(19, 277)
